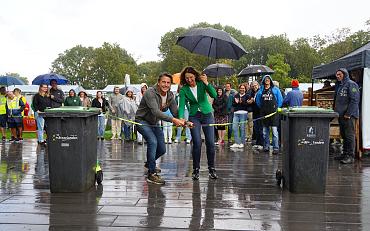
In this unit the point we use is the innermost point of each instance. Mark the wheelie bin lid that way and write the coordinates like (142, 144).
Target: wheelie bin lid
(309, 111)
(71, 111)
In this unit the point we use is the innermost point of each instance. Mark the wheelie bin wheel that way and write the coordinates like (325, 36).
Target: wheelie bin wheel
(99, 177)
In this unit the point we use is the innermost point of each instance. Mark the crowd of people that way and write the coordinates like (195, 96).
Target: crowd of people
(205, 112)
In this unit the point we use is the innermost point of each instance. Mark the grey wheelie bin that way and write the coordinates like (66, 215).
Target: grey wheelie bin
(305, 148)
(71, 141)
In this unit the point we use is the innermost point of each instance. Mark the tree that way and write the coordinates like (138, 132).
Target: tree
(303, 59)
(277, 63)
(149, 72)
(95, 68)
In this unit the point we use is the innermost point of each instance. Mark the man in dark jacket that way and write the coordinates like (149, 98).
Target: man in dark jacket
(269, 99)
(346, 103)
(155, 102)
(56, 95)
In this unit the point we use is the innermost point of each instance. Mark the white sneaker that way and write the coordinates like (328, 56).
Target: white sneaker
(169, 142)
(188, 141)
(234, 145)
(176, 141)
(241, 145)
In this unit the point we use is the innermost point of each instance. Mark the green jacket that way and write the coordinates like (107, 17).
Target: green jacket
(201, 104)
(72, 101)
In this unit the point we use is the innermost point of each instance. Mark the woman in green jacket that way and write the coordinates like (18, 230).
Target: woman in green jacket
(193, 92)
(72, 99)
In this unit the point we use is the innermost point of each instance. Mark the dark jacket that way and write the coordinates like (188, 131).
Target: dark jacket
(104, 106)
(242, 105)
(150, 107)
(220, 105)
(40, 103)
(347, 96)
(275, 91)
(58, 98)
(294, 98)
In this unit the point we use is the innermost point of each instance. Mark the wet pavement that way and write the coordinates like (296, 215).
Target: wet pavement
(244, 198)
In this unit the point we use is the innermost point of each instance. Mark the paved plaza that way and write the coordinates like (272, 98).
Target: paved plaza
(244, 198)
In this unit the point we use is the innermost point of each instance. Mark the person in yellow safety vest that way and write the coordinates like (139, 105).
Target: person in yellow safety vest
(18, 93)
(14, 108)
(3, 116)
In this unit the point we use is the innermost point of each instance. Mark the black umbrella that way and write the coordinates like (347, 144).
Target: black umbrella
(211, 43)
(218, 70)
(256, 70)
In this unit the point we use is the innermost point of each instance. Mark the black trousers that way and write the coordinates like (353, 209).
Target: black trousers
(347, 132)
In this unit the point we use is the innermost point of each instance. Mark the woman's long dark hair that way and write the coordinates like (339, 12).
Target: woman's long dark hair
(191, 70)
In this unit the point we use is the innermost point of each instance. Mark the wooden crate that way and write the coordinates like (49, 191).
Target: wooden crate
(325, 99)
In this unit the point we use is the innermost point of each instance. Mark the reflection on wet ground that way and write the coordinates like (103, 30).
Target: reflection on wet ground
(244, 198)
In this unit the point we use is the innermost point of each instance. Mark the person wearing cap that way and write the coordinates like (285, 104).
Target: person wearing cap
(346, 103)
(138, 98)
(72, 99)
(85, 101)
(56, 95)
(294, 98)
(269, 99)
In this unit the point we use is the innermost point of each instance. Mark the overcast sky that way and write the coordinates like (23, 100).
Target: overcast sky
(33, 33)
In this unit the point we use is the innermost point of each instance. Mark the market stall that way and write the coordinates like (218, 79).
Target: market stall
(357, 63)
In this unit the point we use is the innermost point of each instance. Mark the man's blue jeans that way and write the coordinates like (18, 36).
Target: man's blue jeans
(198, 119)
(155, 143)
(266, 138)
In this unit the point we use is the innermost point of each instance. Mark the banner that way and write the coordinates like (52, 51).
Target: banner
(366, 109)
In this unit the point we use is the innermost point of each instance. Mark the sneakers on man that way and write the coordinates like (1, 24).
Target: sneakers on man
(347, 160)
(155, 179)
(188, 141)
(241, 145)
(176, 141)
(157, 169)
(275, 152)
(212, 174)
(195, 175)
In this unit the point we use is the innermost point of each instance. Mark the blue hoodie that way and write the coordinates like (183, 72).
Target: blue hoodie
(347, 96)
(275, 91)
(294, 98)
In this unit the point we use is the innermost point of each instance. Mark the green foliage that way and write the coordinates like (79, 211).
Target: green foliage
(277, 63)
(94, 68)
(149, 72)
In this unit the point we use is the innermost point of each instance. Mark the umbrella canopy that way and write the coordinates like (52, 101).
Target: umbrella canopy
(176, 78)
(218, 70)
(10, 80)
(256, 70)
(46, 78)
(211, 43)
